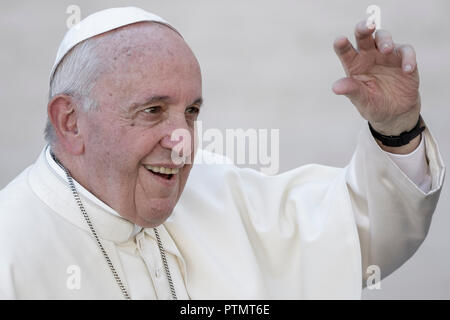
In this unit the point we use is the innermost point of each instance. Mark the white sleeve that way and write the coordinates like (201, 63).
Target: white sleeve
(393, 214)
(415, 166)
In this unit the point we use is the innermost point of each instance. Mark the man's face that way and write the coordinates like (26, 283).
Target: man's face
(152, 87)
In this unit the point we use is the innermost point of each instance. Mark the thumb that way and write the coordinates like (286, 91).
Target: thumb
(349, 87)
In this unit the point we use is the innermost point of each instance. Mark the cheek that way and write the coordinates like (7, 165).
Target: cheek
(133, 145)
(98, 130)
(118, 150)
(141, 141)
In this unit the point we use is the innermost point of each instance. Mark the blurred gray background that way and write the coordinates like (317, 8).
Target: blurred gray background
(265, 64)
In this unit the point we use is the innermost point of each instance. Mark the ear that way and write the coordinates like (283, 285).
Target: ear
(63, 115)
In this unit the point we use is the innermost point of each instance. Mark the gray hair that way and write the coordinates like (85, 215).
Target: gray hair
(75, 76)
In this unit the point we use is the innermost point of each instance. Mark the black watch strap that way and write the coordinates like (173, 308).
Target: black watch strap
(400, 140)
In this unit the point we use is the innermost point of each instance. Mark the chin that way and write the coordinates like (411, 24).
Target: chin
(156, 215)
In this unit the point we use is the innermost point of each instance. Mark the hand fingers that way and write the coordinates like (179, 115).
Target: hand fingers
(383, 40)
(363, 35)
(345, 51)
(408, 57)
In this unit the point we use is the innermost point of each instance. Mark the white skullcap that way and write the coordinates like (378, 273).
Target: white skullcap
(101, 22)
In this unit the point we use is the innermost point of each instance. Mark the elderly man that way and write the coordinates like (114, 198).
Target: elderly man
(102, 213)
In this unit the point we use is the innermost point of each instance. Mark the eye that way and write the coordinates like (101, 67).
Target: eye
(152, 110)
(193, 110)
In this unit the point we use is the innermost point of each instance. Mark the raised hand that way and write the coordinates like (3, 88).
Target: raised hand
(382, 79)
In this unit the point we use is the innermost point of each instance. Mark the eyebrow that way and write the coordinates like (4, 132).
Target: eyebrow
(198, 101)
(154, 99)
(150, 100)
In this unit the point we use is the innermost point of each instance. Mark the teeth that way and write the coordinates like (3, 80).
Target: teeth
(163, 170)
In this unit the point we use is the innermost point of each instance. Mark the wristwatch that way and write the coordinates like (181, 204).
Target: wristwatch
(400, 140)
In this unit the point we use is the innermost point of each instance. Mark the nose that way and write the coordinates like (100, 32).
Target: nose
(178, 136)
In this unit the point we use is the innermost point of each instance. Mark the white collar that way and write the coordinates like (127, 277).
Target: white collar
(83, 191)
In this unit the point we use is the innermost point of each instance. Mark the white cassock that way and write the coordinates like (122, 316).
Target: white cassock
(235, 233)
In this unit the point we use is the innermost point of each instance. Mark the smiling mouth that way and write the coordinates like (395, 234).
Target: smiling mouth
(166, 173)
(163, 175)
